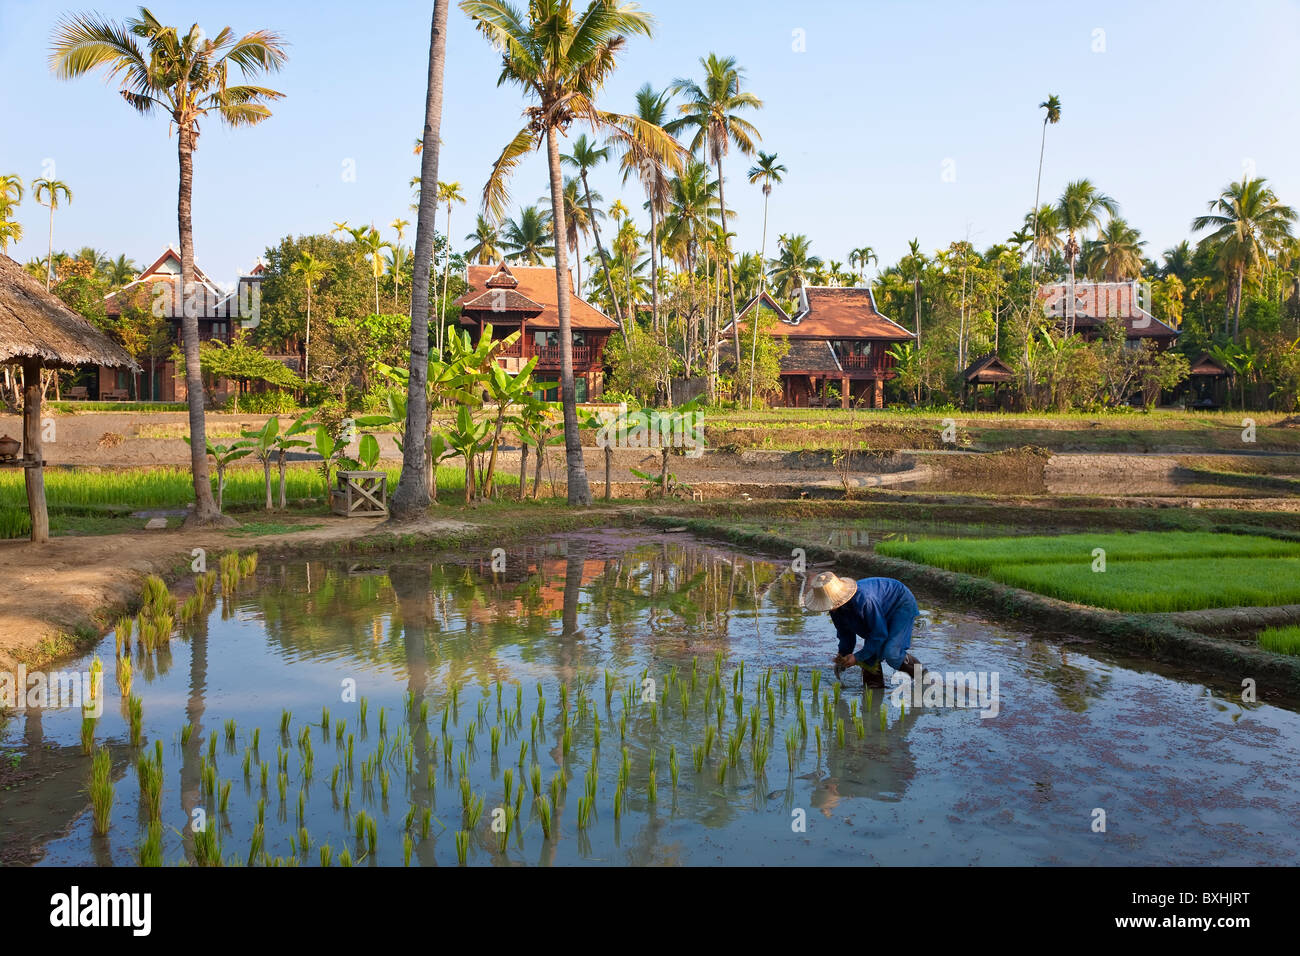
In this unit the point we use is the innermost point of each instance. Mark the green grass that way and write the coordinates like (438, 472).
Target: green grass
(1178, 584)
(96, 501)
(1281, 640)
(979, 555)
(73, 408)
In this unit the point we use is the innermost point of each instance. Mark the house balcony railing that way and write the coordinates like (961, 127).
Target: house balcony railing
(875, 362)
(548, 356)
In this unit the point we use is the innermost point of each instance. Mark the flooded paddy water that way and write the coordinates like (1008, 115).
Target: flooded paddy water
(592, 671)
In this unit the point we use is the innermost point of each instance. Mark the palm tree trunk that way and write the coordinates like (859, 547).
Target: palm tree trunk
(579, 492)
(49, 257)
(446, 273)
(654, 267)
(762, 281)
(410, 500)
(1038, 186)
(604, 260)
(206, 510)
(726, 248)
(306, 348)
(1238, 279)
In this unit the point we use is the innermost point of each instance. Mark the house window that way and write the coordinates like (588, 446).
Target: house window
(579, 338)
(219, 330)
(547, 339)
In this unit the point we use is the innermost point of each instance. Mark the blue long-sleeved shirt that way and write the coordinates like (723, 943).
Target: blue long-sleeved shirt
(866, 613)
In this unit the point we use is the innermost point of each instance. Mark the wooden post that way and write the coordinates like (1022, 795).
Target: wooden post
(35, 475)
(844, 391)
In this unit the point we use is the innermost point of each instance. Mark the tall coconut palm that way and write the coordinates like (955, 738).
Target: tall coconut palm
(713, 110)
(312, 270)
(529, 240)
(654, 172)
(1115, 254)
(1080, 208)
(1248, 222)
(561, 58)
(1053, 116)
(587, 155)
(371, 245)
(767, 172)
(447, 193)
(1177, 260)
(120, 271)
(485, 248)
(11, 194)
(186, 77)
(46, 192)
(577, 221)
(411, 499)
(913, 268)
(1043, 227)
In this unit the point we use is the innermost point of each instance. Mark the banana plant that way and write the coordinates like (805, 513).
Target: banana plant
(465, 437)
(262, 446)
(223, 456)
(287, 440)
(506, 393)
(331, 451)
(608, 427)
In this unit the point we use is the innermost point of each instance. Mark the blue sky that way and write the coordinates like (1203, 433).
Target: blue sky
(896, 120)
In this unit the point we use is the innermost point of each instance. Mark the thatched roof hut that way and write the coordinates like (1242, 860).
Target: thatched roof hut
(38, 331)
(35, 324)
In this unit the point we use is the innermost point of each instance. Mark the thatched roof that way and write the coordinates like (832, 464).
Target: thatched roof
(36, 324)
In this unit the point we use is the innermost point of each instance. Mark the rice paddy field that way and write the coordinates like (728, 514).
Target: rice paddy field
(618, 697)
(79, 493)
(1126, 571)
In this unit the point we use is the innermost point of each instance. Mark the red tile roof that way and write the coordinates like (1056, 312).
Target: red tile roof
(533, 289)
(1095, 302)
(832, 312)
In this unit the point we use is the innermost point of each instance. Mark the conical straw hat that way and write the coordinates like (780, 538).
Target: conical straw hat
(829, 591)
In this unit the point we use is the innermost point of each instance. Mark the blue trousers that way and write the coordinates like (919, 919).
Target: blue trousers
(893, 647)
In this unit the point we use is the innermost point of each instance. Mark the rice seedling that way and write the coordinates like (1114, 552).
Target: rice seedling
(349, 753)
(326, 855)
(135, 710)
(541, 707)
(212, 747)
(426, 818)
(883, 724)
(282, 785)
(859, 727)
(618, 803)
(839, 731)
(652, 792)
(564, 697)
(365, 705)
(264, 769)
(710, 733)
(495, 735)
(673, 769)
(803, 723)
(1280, 640)
(122, 634)
(334, 778)
(722, 772)
(149, 777)
(816, 683)
(230, 731)
(544, 815)
(559, 785)
(209, 778)
(519, 698)
(101, 790)
(407, 846)
(462, 846)
(595, 732)
(818, 729)
(223, 796)
(372, 835)
(285, 717)
(508, 781)
(124, 676)
(791, 747)
(383, 723)
(566, 742)
(207, 847)
(345, 858)
(622, 726)
(475, 812)
(383, 783)
(88, 735)
(257, 737)
(340, 728)
(654, 714)
(150, 852)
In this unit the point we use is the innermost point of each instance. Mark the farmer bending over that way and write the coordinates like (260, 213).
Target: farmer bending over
(878, 610)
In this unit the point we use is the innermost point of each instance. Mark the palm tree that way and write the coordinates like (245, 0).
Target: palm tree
(577, 221)
(448, 193)
(371, 244)
(587, 155)
(51, 189)
(398, 256)
(484, 250)
(561, 59)
(186, 76)
(120, 271)
(1248, 223)
(691, 217)
(312, 271)
(11, 194)
(1043, 225)
(1115, 254)
(793, 265)
(411, 499)
(912, 266)
(1178, 260)
(528, 239)
(1053, 115)
(713, 110)
(653, 171)
(1080, 208)
(860, 257)
(767, 172)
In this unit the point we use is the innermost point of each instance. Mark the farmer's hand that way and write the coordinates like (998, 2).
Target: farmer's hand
(846, 660)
